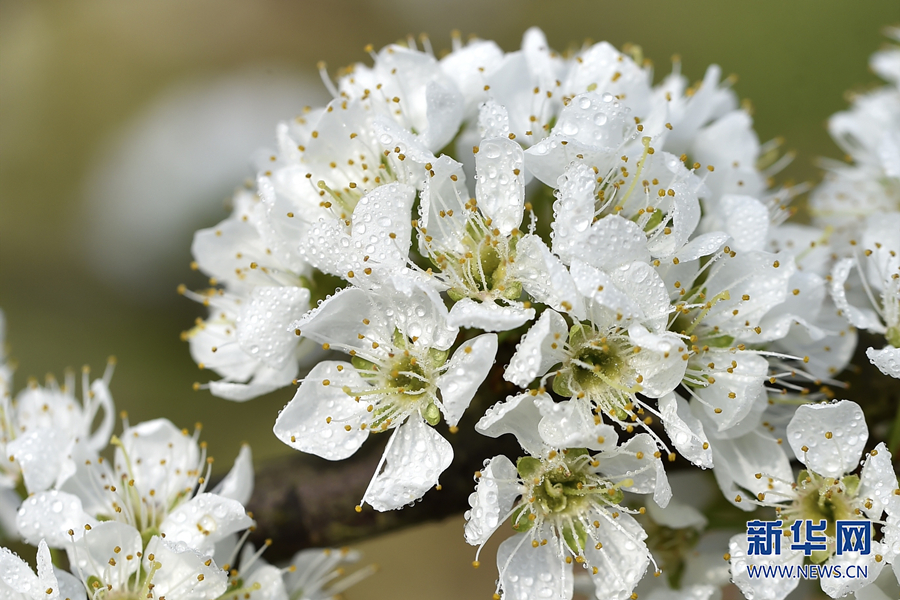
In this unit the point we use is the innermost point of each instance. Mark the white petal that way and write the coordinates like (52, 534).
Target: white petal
(622, 559)
(636, 460)
(50, 515)
(169, 457)
(614, 241)
(465, 67)
(17, 578)
(42, 455)
(264, 582)
(205, 520)
(383, 212)
(264, 381)
(262, 325)
(754, 275)
(493, 498)
(646, 288)
(468, 367)
(702, 245)
(570, 424)
(746, 382)
(442, 194)
(573, 210)
(418, 312)
(616, 73)
(517, 415)
(184, 573)
(488, 315)
(834, 434)
(887, 360)
(500, 182)
(738, 460)
(328, 323)
(677, 515)
(801, 307)
(70, 587)
(837, 587)
(527, 573)
(102, 400)
(863, 318)
(544, 277)
(744, 218)
(444, 109)
(314, 420)
(493, 120)
(538, 350)
(92, 553)
(762, 588)
(238, 484)
(413, 461)
(599, 287)
(685, 430)
(878, 480)
(659, 362)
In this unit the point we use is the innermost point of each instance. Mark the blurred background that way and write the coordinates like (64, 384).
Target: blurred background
(124, 126)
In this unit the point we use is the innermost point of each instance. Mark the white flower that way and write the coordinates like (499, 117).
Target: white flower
(828, 439)
(266, 286)
(879, 286)
(46, 428)
(156, 485)
(566, 505)
(399, 378)
(472, 241)
(18, 581)
(869, 133)
(316, 574)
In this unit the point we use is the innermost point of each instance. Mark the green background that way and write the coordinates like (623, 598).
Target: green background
(73, 73)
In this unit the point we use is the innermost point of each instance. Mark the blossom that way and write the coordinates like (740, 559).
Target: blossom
(155, 485)
(828, 439)
(401, 377)
(44, 429)
(879, 279)
(566, 504)
(19, 582)
(263, 276)
(869, 133)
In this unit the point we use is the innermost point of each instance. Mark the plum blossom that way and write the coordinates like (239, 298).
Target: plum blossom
(829, 440)
(401, 376)
(565, 503)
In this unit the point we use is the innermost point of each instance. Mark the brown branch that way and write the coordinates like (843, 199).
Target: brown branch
(303, 501)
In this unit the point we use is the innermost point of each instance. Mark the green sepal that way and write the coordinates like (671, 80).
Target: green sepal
(722, 341)
(523, 524)
(561, 385)
(613, 496)
(819, 556)
(145, 537)
(361, 363)
(399, 339)
(577, 335)
(851, 485)
(456, 295)
(431, 413)
(528, 467)
(893, 336)
(655, 219)
(575, 537)
(437, 357)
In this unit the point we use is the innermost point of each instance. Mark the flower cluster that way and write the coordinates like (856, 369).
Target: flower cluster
(624, 236)
(135, 518)
(859, 205)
